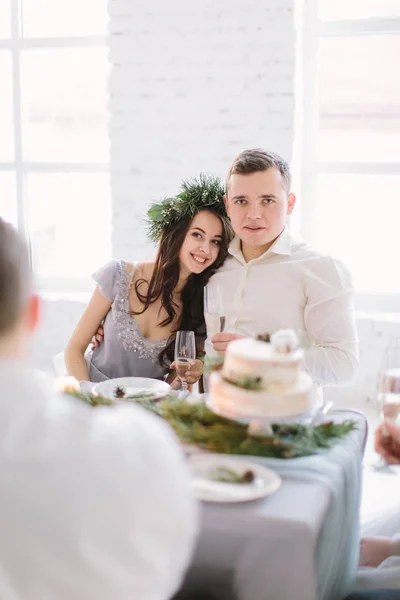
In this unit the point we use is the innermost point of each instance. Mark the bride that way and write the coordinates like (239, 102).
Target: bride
(142, 305)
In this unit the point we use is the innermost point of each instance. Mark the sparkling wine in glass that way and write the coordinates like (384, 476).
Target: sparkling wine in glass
(185, 355)
(389, 395)
(213, 310)
(389, 383)
(388, 389)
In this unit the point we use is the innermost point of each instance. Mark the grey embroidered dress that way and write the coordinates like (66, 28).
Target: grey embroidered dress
(124, 351)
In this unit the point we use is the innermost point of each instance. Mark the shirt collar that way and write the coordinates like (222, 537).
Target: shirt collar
(282, 245)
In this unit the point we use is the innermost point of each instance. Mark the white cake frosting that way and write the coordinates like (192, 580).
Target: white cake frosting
(253, 358)
(275, 368)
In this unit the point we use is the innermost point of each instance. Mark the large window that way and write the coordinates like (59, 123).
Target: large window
(351, 140)
(54, 146)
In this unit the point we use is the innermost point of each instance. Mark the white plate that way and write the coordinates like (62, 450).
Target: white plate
(265, 482)
(133, 386)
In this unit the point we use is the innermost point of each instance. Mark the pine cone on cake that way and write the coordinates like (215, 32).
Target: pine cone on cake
(119, 392)
(264, 337)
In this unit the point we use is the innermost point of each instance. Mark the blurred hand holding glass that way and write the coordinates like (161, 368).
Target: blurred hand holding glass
(388, 392)
(389, 383)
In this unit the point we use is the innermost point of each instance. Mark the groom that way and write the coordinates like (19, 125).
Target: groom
(271, 281)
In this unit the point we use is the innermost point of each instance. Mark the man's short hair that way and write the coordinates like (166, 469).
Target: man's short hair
(15, 276)
(256, 160)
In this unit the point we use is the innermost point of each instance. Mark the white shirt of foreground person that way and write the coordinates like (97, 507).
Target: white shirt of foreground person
(292, 286)
(95, 503)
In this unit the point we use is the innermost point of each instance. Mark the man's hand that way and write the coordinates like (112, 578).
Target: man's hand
(194, 372)
(387, 441)
(98, 338)
(220, 341)
(374, 550)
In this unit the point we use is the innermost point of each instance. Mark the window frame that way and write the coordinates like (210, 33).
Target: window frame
(20, 167)
(312, 30)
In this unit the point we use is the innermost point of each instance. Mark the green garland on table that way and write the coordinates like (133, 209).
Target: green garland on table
(196, 424)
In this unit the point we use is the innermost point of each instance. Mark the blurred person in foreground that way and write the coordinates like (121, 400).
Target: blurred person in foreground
(95, 503)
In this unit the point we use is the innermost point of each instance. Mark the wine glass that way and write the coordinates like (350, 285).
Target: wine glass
(185, 355)
(213, 310)
(388, 387)
(389, 382)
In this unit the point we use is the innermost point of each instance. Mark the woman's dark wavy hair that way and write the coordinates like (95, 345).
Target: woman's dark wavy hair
(165, 278)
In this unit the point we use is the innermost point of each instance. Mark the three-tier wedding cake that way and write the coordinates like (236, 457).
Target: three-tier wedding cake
(262, 378)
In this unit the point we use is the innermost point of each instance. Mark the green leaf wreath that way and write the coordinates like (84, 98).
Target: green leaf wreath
(207, 191)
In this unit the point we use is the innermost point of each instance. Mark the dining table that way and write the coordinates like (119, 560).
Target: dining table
(299, 543)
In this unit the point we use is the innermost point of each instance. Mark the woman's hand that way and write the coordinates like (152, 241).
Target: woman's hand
(194, 373)
(98, 338)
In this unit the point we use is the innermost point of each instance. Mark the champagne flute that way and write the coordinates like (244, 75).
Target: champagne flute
(185, 355)
(388, 388)
(214, 313)
(389, 383)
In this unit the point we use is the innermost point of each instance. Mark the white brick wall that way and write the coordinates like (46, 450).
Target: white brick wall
(192, 84)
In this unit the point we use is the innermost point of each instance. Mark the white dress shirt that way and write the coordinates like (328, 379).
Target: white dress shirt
(95, 503)
(293, 286)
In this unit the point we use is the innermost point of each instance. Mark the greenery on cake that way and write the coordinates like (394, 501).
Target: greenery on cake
(245, 382)
(196, 424)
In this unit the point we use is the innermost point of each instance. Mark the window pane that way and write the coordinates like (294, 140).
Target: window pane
(69, 222)
(64, 17)
(64, 104)
(359, 98)
(358, 9)
(357, 219)
(8, 198)
(6, 108)
(5, 19)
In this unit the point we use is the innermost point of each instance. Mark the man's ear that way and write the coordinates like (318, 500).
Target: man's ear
(32, 313)
(291, 203)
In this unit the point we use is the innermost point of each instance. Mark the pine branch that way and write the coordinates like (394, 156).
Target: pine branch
(196, 424)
